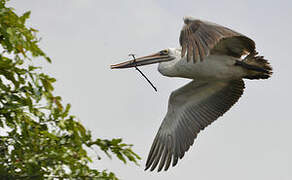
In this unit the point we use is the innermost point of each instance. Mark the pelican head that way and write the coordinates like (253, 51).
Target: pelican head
(166, 59)
(162, 56)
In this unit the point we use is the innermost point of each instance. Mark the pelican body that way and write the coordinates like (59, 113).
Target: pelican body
(217, 59)
(213, 67)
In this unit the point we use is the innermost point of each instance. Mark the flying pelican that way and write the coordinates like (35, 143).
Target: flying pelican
(217, 59)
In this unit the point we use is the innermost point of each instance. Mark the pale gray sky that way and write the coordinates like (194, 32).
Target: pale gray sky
(83, 37)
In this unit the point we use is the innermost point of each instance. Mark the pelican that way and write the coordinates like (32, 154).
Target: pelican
(217, 59)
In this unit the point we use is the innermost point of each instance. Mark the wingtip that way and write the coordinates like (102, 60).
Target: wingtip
(187, 19)
(147, 167)
(165, 168)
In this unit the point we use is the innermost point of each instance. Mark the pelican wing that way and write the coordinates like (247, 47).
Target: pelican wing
(199, 39)
(191, 108)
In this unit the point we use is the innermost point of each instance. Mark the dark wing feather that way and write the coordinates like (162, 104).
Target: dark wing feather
(199, 39)
(190, 109)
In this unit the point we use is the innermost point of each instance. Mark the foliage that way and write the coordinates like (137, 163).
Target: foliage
(38, 137)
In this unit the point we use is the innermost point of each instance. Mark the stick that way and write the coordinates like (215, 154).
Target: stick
(133, 55)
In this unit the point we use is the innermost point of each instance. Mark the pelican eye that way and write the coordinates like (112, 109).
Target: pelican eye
(164, 52)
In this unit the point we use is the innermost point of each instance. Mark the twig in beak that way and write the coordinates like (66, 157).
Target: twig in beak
(133, 55)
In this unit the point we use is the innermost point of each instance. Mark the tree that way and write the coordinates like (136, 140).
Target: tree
(38, 137)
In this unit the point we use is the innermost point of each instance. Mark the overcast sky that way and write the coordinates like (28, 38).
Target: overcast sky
(83, 37)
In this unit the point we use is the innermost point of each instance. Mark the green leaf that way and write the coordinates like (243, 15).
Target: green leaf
(24, 17)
